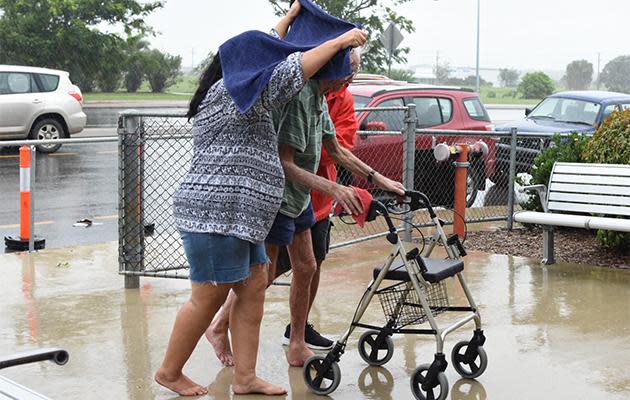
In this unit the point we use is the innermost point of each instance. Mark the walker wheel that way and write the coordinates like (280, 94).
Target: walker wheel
(470, 369)
(319, 379)
(418, 378)
(373, 353)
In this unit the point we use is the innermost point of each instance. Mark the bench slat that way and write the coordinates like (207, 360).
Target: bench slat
(595, 189)
(589, 208)
(590, 199)
(591, 179)
(592, 169)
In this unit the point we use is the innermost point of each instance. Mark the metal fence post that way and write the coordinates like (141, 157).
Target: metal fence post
(409, 156)
(512, 175)
(130, 224)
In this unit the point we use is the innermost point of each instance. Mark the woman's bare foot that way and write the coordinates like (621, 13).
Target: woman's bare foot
(220, 342)
(182, 385)
(298, 354)
(258, 386)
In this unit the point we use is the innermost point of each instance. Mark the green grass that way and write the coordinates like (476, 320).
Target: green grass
(181, 90)
(97, 96)
(503, 96)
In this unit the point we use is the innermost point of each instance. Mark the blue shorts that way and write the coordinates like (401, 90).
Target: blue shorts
(284, 228)
(221, 259)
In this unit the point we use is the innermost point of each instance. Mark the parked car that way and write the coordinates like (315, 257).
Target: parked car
(39, 103)
(436, 108)
(564, 112)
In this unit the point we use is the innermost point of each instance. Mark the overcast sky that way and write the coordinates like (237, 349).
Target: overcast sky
(532, 34)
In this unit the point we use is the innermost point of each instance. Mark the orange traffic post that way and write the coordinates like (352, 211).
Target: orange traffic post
(25, 193)
(24, 241)
(461, 178)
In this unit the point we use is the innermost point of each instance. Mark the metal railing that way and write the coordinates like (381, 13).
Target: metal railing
(155, 149)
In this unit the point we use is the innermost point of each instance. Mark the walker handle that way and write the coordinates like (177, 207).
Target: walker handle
(417, 197)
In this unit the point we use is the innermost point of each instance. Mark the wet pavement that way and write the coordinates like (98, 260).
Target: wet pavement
(561, 332)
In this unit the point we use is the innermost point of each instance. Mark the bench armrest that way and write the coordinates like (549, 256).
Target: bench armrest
(542, 193)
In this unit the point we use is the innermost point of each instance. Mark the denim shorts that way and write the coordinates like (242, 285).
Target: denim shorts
(221, 259)
(284, 227)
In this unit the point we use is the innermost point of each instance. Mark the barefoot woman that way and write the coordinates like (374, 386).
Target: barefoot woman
(227, 203)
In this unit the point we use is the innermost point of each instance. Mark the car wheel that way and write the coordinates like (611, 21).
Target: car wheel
(47, 129)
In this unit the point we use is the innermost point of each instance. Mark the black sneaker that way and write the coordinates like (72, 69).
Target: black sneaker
(314, 340)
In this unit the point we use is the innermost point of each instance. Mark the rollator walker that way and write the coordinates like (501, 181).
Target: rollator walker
(417, 295)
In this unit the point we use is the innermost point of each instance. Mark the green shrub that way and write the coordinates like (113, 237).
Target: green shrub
(536, 85)
(564, 149)
(492, 95)
(611, 145)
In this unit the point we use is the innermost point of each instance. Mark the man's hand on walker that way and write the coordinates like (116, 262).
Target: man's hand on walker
(389, 185)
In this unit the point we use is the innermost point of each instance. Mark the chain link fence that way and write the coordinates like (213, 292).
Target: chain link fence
(156, 149)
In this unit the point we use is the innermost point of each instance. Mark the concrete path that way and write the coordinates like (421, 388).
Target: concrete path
(553, 333)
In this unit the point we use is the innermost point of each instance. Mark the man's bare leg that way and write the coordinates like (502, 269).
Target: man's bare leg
(217, 332)
(245, 317)
(192, 320)
(304, 267)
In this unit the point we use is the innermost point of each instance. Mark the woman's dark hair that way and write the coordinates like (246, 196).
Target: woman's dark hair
(210, 76)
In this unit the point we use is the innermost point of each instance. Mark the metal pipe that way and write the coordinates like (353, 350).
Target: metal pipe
(15, 143)
(409, 158)
(512, 175)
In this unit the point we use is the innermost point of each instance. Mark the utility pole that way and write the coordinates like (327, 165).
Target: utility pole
(599, 61)
(478, 29)
(437, 66)
(192, 59)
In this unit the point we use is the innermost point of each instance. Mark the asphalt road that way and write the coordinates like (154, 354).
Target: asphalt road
(75, 183)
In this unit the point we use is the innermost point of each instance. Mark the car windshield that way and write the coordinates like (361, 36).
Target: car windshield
(566, 110)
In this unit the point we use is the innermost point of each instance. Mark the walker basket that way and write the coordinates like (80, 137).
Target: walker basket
(401, 303)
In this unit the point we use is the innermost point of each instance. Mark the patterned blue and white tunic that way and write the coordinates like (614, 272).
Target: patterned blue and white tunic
(235, 183)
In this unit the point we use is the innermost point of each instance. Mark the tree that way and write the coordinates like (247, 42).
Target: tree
(536, 85)
(201, 67)
(137, 60)
(402, 75)
(162, 70)
(374, 16)
(442, 72)
(616, 74)
(64, 34)
(508, 77)
(579, 75)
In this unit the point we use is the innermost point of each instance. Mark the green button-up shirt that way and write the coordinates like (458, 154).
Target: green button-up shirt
(302, 124)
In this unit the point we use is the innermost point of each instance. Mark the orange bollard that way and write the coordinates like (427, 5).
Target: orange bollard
(24, 239)
(461, 178)
(25, 193)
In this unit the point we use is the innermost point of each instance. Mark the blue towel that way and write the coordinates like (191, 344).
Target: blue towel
(248, 60)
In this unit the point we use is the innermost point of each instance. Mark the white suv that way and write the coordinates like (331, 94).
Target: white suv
(39, 103)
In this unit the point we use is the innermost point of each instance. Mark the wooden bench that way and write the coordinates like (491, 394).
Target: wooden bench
(577, 194)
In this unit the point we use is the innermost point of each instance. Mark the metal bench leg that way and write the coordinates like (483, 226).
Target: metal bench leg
(548, 257)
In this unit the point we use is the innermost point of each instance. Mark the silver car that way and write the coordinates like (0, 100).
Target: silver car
(39, 103)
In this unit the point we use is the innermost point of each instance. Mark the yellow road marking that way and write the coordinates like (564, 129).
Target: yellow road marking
(11, 156)
(13, 226)
(108, 152)
(63, 154)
